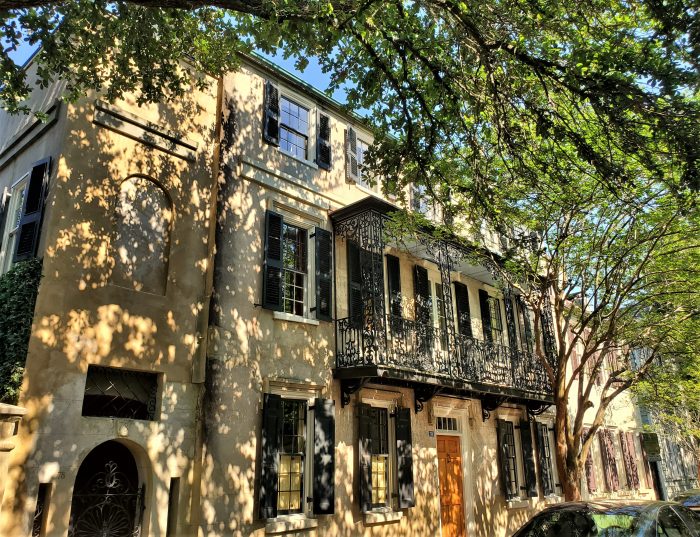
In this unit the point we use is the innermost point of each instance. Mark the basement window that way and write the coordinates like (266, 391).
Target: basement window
(120, 393)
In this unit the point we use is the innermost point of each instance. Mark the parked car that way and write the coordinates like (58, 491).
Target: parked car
(689, 498)
(609, 519)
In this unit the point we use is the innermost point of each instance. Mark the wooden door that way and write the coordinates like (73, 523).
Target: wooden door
(451, 490)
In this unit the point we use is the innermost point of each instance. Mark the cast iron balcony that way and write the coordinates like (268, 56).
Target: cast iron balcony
(424, 350)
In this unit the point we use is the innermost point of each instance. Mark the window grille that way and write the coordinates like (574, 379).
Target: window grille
(120, 393)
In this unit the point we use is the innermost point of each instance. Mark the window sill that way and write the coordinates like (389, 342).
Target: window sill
(517, 504)
(286, 523)
(383, 517)
(282, 316)
(309, 163)
(553, 498)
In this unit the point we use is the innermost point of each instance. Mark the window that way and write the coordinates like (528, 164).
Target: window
(294, 128)
(496, 320)
(527, 339)
(290, 465)
(419, 202)
(447, 424)
(120, 393)
(386, 459)
(286, 285)
(294, 260)
(291, 475)
(380, 457)
(11, 225)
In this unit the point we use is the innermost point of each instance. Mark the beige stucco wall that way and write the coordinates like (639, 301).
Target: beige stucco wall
(81, 318)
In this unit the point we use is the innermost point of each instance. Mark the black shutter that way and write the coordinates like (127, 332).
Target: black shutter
(423, 311)
(366, 425)
(351, 168)
(404, 457)
(510, 323)
(272, 268)
(355, 305)
(324, 457)
(4, 199)
(503, 458)
(323, 142)
(528, 458)
(543, 461)
(271, 115)
(485, 315)
(394, 282)
(271, 427)
(324, 274)
(32, 211)
(464, 323)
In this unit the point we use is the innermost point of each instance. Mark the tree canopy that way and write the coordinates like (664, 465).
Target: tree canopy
(476, 94)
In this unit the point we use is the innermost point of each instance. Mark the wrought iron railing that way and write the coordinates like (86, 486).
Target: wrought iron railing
(412, 346)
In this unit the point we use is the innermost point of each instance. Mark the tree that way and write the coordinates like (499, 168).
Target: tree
(465, 87)
(577, 121)
(617, 273)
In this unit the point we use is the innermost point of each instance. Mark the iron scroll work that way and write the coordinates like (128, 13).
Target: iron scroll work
(383, 340)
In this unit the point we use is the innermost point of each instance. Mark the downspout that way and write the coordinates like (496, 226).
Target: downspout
(199, 364)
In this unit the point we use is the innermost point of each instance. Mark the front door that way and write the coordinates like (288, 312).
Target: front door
(451, 493)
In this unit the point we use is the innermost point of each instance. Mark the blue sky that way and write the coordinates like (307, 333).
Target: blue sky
(312, 74)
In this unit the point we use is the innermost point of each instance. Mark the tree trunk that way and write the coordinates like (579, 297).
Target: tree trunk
(568, 466)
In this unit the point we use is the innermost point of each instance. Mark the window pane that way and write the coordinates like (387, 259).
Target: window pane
(294, 128)
(291, 468)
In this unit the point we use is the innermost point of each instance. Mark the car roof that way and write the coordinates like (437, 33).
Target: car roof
(610, 505)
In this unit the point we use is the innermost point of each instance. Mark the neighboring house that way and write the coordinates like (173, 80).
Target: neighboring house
(340, 381)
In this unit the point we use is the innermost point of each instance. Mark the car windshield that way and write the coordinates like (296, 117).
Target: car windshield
(628, 521)
(615, 524)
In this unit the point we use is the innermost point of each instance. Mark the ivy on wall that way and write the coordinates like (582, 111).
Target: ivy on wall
(18, 290)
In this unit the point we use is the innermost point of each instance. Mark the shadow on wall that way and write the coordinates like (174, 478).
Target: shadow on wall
(125, 265)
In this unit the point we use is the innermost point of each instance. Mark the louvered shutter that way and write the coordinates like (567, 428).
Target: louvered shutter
(272, 267)
(324, 457)
(4, 202)
(528, 458)
(351, 167)
(607, 450)
(393, 277)
(423, 309)
(367, 424)
(590, 469)
(355, 304)
(324, 274)
(404, 457)
(503, 458)
(464, 322)
(485, 315)
(544, 461)
(323, 142)
(271, 432)
(32, 211)
(629, 454)
(271, 114)
(510, 323)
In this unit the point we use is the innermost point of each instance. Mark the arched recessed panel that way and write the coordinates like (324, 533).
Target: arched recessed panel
(107, 500)
(143, 218)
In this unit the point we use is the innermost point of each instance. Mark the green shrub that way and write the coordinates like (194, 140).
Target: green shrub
(18, 290)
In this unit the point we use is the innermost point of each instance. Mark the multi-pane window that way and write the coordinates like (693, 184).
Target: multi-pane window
(447, 424)
(380, 457)
(294, 259)
(546, 459)
(496, 320)
(291, 465)
(294, 128)
(14, 215)
(510, 464)
(419, 203)
(362, 148)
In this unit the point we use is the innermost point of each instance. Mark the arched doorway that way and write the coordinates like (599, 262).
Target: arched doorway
(107, 499)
